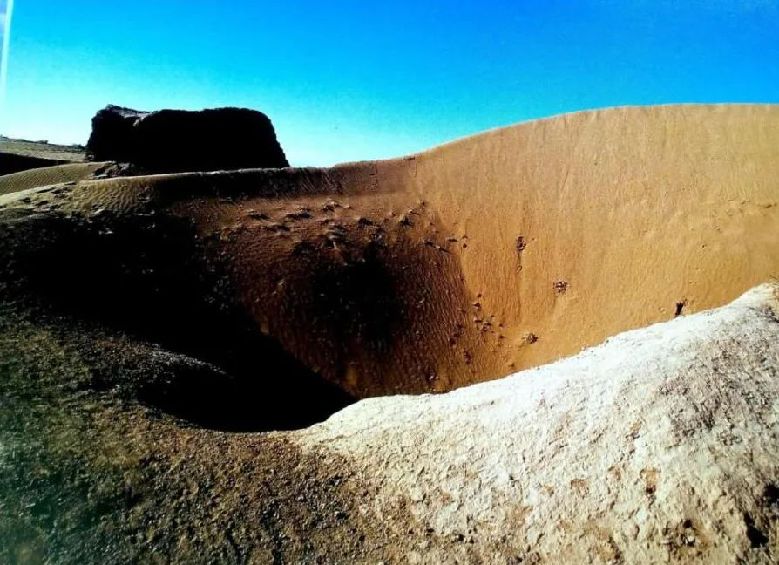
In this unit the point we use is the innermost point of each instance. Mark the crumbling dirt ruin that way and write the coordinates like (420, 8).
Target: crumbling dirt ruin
(178, 140)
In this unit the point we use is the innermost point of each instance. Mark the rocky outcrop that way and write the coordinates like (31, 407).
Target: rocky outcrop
(113, 134)
(178, 140)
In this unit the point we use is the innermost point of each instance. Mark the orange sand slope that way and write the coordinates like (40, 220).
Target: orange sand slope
(491, 254)
(634, 209)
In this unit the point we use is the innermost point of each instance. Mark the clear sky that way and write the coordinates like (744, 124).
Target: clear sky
(349, 80)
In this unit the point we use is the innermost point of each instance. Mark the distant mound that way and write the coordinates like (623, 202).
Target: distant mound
(178, 140)
(13, 163)
(20, 155)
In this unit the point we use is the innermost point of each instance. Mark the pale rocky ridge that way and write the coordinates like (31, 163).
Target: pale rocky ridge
(659, 444)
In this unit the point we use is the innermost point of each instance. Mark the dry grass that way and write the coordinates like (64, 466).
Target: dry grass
(42, 150)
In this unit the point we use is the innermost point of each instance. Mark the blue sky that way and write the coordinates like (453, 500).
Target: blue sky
(349, 80)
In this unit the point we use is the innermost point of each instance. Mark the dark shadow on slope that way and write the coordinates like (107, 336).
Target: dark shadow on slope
(14, 163)
(146, 277)
(282, 395)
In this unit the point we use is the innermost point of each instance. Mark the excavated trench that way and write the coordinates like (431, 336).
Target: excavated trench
(301, 290)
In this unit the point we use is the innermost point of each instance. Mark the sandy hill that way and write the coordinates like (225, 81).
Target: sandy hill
(42, 149)
(48, 175)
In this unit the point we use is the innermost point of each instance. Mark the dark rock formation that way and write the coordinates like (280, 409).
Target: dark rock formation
(113, 136)
(178, 140)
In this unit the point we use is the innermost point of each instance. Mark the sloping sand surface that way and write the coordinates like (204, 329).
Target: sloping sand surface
(44, 176)
(19, 155)
(623, 214)
(42, 150)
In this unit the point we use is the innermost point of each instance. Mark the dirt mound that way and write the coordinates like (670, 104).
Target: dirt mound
(177, 140)
(42, 149)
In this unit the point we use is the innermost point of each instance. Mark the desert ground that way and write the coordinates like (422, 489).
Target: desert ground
(552, 342)
(21, 154)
